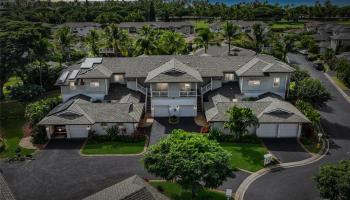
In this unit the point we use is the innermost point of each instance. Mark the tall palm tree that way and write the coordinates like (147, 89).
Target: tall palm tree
(64, 39)
(114, 36)
(259, 35)
(146, 44)
(204, 35)
(230, 30)
(92, 41)
(171, 42)
(40, 53)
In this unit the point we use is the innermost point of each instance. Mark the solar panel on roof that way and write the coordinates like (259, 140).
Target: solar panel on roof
(89, 62)
(63, 76)
(73, 74)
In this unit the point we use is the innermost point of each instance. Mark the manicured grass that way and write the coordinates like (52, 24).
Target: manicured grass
(339, 83)
(12, 81)
(113, 147)
(202, 24)
(175, 192)
(344, 22)
(11, 123)
(287, 25)
(246, 156)
(310, 143)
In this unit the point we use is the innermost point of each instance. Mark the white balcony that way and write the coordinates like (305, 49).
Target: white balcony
(188, 93)
(160, 93)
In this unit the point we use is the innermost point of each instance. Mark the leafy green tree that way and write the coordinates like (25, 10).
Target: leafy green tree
(258, 36)
(299, 74)
(92, 40)
(230, 30)
(64, 39)
(204, 36)
(309, 111)
(16, 40)
(329, 57)
(114, 37)
(342, 69)
(190, 159)
(333, 181)
(152, 12)
(240, 119)
(40, 54)
(108, 17)
(171, 42)
(312, 91)
(37, 110)
(25, 92)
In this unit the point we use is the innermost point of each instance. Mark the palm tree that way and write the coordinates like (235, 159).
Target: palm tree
(258, 33)
(114, 35)
(146, 44)
(63, 40)
(229, 31)
(204, 35)
(40, 53)
(92, 41)
(171, 42)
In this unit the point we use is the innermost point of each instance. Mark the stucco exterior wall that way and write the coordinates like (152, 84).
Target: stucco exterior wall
(93, 92)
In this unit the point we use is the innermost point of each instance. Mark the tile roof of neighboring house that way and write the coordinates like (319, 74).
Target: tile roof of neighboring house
(207, 66)
(324, 44)
(345, 55)
(341, 36)
(258, 66)
(79, 111)
(79, 24)
(321, 37)
(173, 71)
(155, 24)
(268, 110)
(133, 188)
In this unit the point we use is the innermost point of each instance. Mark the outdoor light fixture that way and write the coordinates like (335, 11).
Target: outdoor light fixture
(47, 129)
(88, 128)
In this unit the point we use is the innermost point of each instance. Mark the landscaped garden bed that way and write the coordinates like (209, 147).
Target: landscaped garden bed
(176, 192)
(99, 145)
(311, 143)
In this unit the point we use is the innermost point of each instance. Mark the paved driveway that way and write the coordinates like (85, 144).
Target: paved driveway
(297, 183)
(286, 149)
(59, 172)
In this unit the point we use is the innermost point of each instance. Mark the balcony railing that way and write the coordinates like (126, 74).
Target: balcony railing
(206, 88)
(160, 93)
(140, 88)
(190, 93)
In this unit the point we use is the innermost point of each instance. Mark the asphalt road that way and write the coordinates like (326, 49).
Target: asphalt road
(297, 183)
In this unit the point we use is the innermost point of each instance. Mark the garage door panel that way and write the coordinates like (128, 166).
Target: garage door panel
(78, 131)
(267, 130)
(288, 130)
(161, 111)
(187, 111)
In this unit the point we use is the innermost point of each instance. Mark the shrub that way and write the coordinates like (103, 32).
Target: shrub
(309, 111)
(112, 132)
(215, 134)
(312, 91)
(3, 144)
(36, 111)
(39, 135)
(25, 92)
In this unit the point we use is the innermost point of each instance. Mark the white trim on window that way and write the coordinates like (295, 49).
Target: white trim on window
(229, 76)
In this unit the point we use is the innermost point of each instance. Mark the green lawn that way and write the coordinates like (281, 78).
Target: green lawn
(175, 192)
(246, 156)
(12, 81)
(339, 83)
(11, 123)
(113, 147)
(287, 25)
(310, 143)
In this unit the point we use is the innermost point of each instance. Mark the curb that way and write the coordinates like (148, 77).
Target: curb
(346, 97)
(113, 155)
(239, 195)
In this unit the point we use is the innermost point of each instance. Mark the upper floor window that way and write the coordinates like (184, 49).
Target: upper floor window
(72, 85)
(276, 82)
(161, 87)
(185, 86)
(254, 82)
(118, 77)
(94, 84)
(229, 77)
(104, 124)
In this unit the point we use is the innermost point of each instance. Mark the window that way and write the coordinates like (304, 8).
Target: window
(229, 77)
(103, 124)
(72, 85)
(161, 87)
(94, 84)
(254, 82)
(185, 86)
(276, 82)
(118, 78)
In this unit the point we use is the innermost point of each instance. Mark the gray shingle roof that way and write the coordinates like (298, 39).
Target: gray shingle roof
(79, 111)
(174, 71)
(268, 110)
(133, 188)
(221, 51)
(341, 36)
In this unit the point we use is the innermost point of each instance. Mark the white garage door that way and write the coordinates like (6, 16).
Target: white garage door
(288, 130)
(77, 131)
(161, 111)
(187, 111)
(267, 131)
